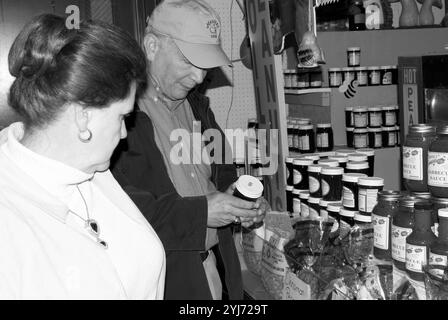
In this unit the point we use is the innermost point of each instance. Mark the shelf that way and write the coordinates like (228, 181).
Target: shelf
(307, 91)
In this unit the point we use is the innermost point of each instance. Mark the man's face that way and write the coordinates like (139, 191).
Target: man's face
(174, 73)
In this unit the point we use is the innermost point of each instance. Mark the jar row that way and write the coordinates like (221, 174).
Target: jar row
(376, 138)
(374, 117)
(301, 138)
(303, 80)
(365, 76)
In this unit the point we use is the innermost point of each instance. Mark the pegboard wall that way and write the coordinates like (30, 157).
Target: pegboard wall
(243, 105)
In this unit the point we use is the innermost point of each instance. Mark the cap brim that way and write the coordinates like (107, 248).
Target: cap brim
(205, 56)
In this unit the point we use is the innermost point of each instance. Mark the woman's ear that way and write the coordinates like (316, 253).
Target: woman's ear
(82, 117)
(151, 45)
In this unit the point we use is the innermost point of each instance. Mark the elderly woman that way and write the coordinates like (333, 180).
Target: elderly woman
(67, 229)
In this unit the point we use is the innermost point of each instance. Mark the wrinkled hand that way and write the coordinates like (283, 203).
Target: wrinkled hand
(223, 208)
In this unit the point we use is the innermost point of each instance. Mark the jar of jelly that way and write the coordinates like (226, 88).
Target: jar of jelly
(370, 154)
(360, 138)
(375, 138)
(333, 209)
(357, 167)
(375, 117)
(389, 137)
(289, 171)
(296, 200)
(362, 76)
(314, 176)
(349, 121)
(314, 207)
(306, 139)
(331, 178)
(438, 164)
(438, 252)
(374, 76)
(390, 116)
(350, 190)
(304, 209)
(368, 189)
(300, 173)
(360, 117)
(350, 136)
(342, 160)
(324, 137)
(335, 77)
(415, 157)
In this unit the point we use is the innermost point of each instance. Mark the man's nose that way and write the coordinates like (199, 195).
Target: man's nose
(198, 74)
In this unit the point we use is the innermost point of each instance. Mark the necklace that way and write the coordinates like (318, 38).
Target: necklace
(90, 224)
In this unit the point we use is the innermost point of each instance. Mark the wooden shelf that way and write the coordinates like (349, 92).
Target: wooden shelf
(307, 91)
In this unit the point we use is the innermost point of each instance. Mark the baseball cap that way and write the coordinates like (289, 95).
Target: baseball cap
(195, 28)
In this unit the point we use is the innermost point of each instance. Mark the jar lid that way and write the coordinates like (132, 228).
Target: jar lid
(373, 68)
(442, 130)
(340, 159)
(363, 218)
(328, 162)
(443, 212)
(290, 126)
(422, 195)
(344, 152)
(443, 201)
(296, 126)
(314, 200)
(306, 127)
(304, 195)
(393, 67)
(389, 195)
(334, 207)
(366, 151)
(297, 191)
(289, 188)
(302, 162)
(323, 125)
(312, 156)
(323, 203)
(374, 109)
(354, 49)
(357, 165)
(375, 130)
(334, 69)
(360, 109)
(347, 213)
(303, 122)
(315, 168)
(371, 182)
(388, 108)
(350, 129)
(348, 108)
(332, 171)
(250, 187)
(353, 177)
(360, 130)
(391, 128)
(357, 157)
(289, 159)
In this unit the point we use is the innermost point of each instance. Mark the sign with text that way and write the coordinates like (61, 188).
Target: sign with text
(267, 73)
(410, 97)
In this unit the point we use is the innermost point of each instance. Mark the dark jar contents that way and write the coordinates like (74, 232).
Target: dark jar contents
(289, 201)
(350, 136)
(415, 157)
(324, 137)
(289, 171)
(375, 138)
(402, 224)
(295, 138)
(356, 15)
(314, 178)
(438, 254)
(314, 207)
(349, 121)
(437, 203)
(304, 209)
(306, 139)
(418, 243)
(291, 137)
(350, 190)
(332, 183)
(370, 153)
(389, 137)
(333, 210)
(342, 160)
(382, 216)
(346, 222)
(357, 167)
(368, 189)
(438, 164)
(300, 169)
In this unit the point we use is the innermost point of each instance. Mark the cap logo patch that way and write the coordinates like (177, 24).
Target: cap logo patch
(213, 27)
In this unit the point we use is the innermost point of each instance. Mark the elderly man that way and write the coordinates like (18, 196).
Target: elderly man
(182, 42)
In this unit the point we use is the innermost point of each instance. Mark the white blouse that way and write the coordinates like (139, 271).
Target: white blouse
(45, 250)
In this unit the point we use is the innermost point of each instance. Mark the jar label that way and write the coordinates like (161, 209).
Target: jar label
(314, 184)
(325, 188)
(391, 139)
(297, 177)
(313, 213)
(438, 259)
(375, 77)
(304, 143)
(435, 229)
(378, 140)
(273, 258)
(324, 213)
(415, 257)
(391, 119)
(367, 199)
(413, 163)
(295, 141)
(360, 140)
(360, 119)
(296, 205)
(322, 140)
(335, 226)
(290, 141)
(438, 169)
(375, 119)
(387, 77)
(304, 210)
(398, 241)
(380, 232)
(348, 198)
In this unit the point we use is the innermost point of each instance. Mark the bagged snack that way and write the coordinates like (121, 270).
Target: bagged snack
(252, 244)
(436, 282)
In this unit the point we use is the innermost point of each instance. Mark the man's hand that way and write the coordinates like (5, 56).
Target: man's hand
(223, 208)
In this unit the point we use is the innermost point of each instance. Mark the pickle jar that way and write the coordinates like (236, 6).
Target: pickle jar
(438, 164)
(415, 157)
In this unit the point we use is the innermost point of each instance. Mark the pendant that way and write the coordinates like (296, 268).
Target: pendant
(103, 243)
(93, 227)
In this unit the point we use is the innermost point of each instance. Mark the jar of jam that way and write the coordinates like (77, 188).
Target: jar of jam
(332, 183)
(415, 157)
(300, 172)
(357, 157)
(382, 216)
(418, 243)
(375, 117)
(306, 139)
(387, 76)
(289, 201)
(360, 138)
(438, 164)
(314, 176)
(362, 75)
(316, 78)
(333, 210)
(357, 167)
(353, 56)
(304, 209)
(328, 162)
(324, 205)
(303, 80)
(437, 203)
(368, 189)
(389, 137)
(342, 160)
(348, 74)
(296, 138)
(402, 224)
(346, 222)
(314, 207)
(389, 115)
(313, 156)
(289, 171)
(350, 136)
(360, 117)
(370, 154)
(324, 137)
(375, 138)
(290, 137)
(374, 76)
(349, 121)
(438, 252)
(335, 77)
(296, 200)
(350, 190)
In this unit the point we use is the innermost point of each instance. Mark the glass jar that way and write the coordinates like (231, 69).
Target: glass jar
(357, 167)
(289, 171)
(290, 137)
(331, 178)
(350, 136)
(390, 116)
(324, 137)
(344, 152)
(240, 167)
(353, 56)
(333, 210)
(389, 137)
(374, 76)
(296, 138)
(342, 160)
(350, 190)
(438, 254)
(360, 117)
(438, 164)
(362, 75)
(415, 157)
(334, 77)
(370, 154)
(306, 139)
(360, 138)
(349, 121)
(382, 216)
(314, 207)
(289, 201)
(314, 177)
(398, 135)
(328, 162)
(375, 117)
(348, 74)
(368, 189)
(316, 79)
(304, 209)
(323, 204)
(303, 80)
(386, 75)
(296, 200)
(437, 204)
(346, 222)
(300, 172)
(375, 138)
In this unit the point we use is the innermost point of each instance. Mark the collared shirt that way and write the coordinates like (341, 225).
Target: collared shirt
(45, 249)
(192, 178)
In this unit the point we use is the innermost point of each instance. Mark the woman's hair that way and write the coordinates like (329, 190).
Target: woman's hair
(94, 66)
